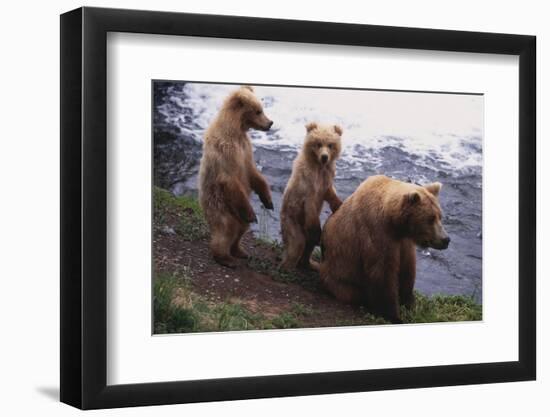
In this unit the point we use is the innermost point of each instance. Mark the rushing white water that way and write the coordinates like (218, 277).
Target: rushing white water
(444, 127)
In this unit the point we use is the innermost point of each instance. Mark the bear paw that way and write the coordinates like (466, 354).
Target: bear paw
(227, 261)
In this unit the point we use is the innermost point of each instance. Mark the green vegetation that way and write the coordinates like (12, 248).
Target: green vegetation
(179, 308)
(169, 317)
(190, 222)
(440, 308)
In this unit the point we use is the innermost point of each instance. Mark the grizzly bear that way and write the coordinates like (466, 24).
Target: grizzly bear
(369, 244)
(228, 174)
(310, 184)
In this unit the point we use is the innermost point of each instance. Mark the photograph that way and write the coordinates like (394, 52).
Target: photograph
(225, 230)
(280, 207)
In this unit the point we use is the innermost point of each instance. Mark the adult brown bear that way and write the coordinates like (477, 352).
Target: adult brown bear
(228, 174)
(369, 244)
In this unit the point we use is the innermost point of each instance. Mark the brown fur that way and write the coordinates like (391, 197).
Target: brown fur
(368, 245)
(310, 184)
(228, 174)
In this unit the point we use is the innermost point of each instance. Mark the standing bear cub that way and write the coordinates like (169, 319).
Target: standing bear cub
(369, 244)
(310, 184)
(228, 174)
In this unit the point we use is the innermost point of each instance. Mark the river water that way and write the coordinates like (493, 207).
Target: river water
(416, 137)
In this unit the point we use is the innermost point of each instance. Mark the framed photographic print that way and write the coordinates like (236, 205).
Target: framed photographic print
(255, 208)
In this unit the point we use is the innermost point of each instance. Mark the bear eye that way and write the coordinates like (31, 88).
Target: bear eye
(258, 112)
(330, 146)
(319, 145)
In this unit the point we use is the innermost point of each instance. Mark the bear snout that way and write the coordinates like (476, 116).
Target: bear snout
(324, 158)
(442, 243)
(265, 127)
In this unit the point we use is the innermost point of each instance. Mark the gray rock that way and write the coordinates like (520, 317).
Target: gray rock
(167, 230)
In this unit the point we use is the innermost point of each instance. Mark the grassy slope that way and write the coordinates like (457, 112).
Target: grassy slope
(179, 308)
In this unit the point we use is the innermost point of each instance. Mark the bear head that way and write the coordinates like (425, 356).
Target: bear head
(421, 214)
(323, 143)
(245, 108)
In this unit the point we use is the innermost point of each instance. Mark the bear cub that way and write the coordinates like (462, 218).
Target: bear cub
(310, 184)
(369, 244)
(228, 174)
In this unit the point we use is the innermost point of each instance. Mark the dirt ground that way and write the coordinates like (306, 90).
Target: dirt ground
(256, 283)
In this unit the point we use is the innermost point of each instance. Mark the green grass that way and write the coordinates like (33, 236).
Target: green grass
(190, 224)
(177, 309)
(442, 308)
(164, 200)
(168, 317)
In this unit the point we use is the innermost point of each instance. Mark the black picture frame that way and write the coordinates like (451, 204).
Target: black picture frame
(84, 207)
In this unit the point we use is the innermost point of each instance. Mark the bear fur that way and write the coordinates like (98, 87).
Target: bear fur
(369, 244)
(228, 174)
(310, 184)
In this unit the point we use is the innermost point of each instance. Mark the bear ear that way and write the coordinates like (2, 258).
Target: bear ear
(434, 188)
(338, 130)
(310, 126)
(237, 101)
(248, 87)
(412, 198)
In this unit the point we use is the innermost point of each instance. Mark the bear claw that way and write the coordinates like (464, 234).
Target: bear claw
(252, 218)
(268, 205)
